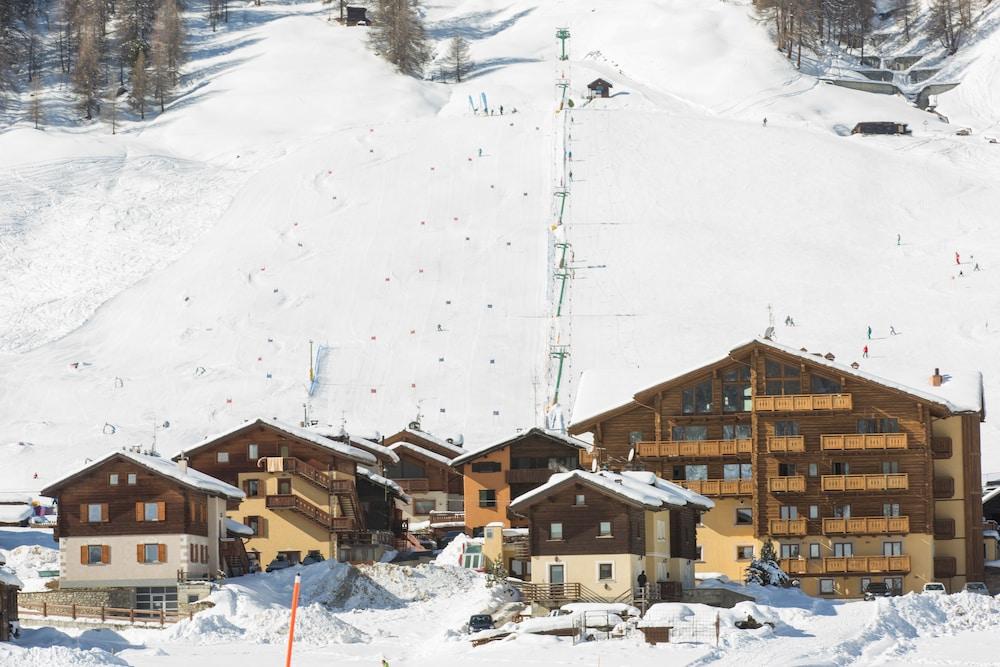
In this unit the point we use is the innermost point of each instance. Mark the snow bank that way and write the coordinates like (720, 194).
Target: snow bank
(619, 608)
(452, 554)
(25, 561)
(49, 647)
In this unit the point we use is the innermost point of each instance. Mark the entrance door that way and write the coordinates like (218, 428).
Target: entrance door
(557, 574)
(284, 487)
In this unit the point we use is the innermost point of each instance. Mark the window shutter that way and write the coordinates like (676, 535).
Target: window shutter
(191, 556)
(162, 555)
(262, 526)
(83, 555)
(161, 511)
(205, 557)
(140, 553)
(105, 554)
(138, 512)
(104, 512)
(84, 515)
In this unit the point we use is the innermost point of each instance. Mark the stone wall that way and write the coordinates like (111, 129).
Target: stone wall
(122, 598)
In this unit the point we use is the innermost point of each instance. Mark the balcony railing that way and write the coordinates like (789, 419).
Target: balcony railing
(719, 487)
(848, 564)
(802, 402)
(856, 442)
(792, 484)
(870, 525)
(787, 526)
(414, 485)
(695, 448)
(786, 443)
(850, 483)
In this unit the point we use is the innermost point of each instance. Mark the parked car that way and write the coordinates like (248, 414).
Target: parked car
(448, 537)
(480, 622)
(977, 587)
(427, 543)
(313, 556)
(877, 589)
(935, 588)
(560, 612)
(280, 562)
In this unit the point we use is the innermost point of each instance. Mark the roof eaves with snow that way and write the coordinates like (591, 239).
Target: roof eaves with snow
(440, 442)
(389, 485)
(644, 489)
(417, 450)
(507, 442)
(296, 432)
(991, 494)
(8, 578)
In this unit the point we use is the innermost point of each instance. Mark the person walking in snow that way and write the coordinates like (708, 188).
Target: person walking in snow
(571, 175)
(864, 352)
(765, 121)
(869, 332)
(892, 330)
(976, 267)
(899, 239)
(480, 152)
(958, 259)
(501, 109)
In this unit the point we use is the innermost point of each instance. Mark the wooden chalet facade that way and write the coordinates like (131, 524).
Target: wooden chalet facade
(497, 474)
(593, 534)
(304, 492)
(855, 478)
(599, 88)
(424, 472)
(136, 521)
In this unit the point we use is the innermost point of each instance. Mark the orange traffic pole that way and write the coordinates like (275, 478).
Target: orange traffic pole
(291, 624)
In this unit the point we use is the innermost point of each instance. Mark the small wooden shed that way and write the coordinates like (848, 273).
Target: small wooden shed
(599, 88)
(9, 587)
(357, 16)
(881, 128)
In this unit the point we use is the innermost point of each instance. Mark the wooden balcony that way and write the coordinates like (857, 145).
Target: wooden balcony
(695, 448)
(780, 444)
(779, 527)
(792, 484)
(865, 483)
(719, 487)
(847, 565)
(802, 402)
(414, 485)
(794, 566)
(867, 525)
(586, 459)
(859, 442)
(529, 475)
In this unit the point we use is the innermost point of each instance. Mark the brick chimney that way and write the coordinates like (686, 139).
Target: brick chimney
(936, 379)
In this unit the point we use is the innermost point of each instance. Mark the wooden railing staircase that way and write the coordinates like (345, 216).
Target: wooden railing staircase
(233, 557)
(299, 505)
(343, 489)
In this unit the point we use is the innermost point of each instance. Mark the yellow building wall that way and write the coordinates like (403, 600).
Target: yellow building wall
(474, 482)
(719, 535)
(583, 569)
(954, 507)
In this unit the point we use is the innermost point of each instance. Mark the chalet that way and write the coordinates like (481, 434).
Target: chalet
(140, 522)
(424, 472)
(856, 478)
(357, 16)
(599, 88)
(9, 587)
(304, 492)
(496, 474)
(593, 534)
(881, 128)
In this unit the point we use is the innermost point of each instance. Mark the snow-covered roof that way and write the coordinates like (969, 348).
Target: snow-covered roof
(500, 444)
(440, 442)
(165, 467)
(375, 478)
(600, 391)
(641, 488)
(990, 494)
(420, 451)
(312, 437)
(8, 578)
(368, 444)
(448, 524)
(15, 513)
(15, 498)
(236, 527)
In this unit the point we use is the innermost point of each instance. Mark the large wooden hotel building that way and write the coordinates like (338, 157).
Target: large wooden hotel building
(855, 478)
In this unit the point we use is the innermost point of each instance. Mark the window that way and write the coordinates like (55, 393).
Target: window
(813, 470)
(580, 500)
(634, 437)
(786, 427)
(736, 389)
(222, 457)
(822, 385)
(425, 506)
(814, 511)
(744, 553)
(255, 524)
(557, 574)
(253, 451)
(781, 379)
(864, 583)
(285, 487)
(786, 469)
(843, 550)
(789, 550)
(486, 466)
(150, 511)
(895, 584)
(153, 553)
(699, 553)
(661, 530)
(605, 571)
(603, 529)
(555, 531)
(696, 472)
(737, 471)
(789, 512)
(842, 511)
(405, 469)
(487, 498)
(892, 548)
(156, 598)
(814, 550)
(882, 425)
(697, 398)
(736, 431)
(131, 479)
(94, 554)
(473, 557)
(690, 432)
(284, 451)
(826, 586)
(841, 468)
(890, 467)
(95, 513)
(251, 487)
(113, 479)
(744, 516)
(890, 509)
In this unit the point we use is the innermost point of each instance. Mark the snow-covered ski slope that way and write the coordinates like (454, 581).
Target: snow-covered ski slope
(300, 190)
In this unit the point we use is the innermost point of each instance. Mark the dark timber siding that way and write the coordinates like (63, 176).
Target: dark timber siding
(580, 525)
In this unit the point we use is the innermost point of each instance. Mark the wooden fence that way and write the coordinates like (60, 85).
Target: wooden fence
(103, 613)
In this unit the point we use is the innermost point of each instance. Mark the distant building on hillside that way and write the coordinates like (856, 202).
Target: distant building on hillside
(357, 16)
(881, 128)
(599, 88)
(424, 472)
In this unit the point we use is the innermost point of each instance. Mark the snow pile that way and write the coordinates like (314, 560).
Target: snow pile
(27, 560)
(619, 608)
(452, 554)
(48, 647)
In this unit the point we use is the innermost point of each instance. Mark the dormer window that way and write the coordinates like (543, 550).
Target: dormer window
(697, 399)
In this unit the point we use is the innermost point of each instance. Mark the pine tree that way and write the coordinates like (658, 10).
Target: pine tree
(765, 570)
(398, 35)
(135, 28)
(87, 73)
(166, 51)
(36, 101)
(944, 24)
(458, 57)
(139, 85)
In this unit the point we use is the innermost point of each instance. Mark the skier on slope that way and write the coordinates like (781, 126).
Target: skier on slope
(958, 259)
(869, 332)
(892, 330)
(864, 352)
(765, 121)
